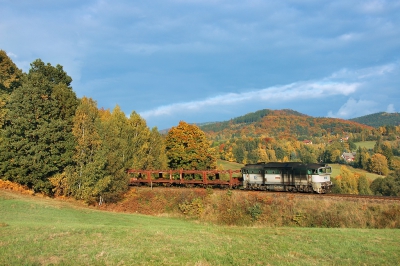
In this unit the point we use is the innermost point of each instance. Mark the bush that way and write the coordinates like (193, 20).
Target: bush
(261, 209)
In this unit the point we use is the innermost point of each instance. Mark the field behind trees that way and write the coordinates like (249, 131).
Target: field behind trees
(42, 231)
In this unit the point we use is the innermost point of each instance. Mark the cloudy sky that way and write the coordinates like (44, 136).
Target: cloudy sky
(213, 60)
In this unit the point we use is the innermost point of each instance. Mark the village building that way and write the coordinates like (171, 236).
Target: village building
(349, 156)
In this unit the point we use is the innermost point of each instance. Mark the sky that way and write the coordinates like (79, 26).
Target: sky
(213, 60)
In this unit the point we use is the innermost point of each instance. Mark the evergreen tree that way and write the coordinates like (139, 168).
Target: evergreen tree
(387, 152)
(240, 153)
(388, 186)
(37, 133)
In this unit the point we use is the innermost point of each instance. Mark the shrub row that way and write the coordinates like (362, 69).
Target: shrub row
(260, 209)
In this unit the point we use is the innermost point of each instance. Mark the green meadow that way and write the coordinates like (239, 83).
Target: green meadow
(368, 144)
(42, 231)
(336, 171)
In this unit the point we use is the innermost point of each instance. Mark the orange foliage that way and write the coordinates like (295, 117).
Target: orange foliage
(15, 187)
(284, 124)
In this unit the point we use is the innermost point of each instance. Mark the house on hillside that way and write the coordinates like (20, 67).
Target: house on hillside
(307, 141)
(349, 156)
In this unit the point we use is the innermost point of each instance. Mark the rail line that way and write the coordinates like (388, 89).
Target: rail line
(228, 179)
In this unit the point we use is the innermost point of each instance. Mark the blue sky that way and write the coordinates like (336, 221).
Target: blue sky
(203, 60)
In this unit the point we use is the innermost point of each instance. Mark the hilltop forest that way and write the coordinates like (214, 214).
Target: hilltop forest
(379, 119)
(55, 143)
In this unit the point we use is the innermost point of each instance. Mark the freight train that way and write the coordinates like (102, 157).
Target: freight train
(273, 176)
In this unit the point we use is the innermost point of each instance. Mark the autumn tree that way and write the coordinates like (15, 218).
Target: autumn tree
(346, 182)
(10, 79)
(37, 133)
(379, 164)
(188, 148)
(108, 144)
(139, 135)
(85, 178)
(156, 157)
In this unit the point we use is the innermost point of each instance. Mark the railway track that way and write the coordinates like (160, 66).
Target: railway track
(291, 194)
(212, 178)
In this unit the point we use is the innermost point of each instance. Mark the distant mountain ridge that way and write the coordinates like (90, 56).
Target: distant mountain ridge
(379, 119)
(248, 118)
(284, 122)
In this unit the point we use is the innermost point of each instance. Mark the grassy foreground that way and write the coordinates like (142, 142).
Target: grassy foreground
(39, 231)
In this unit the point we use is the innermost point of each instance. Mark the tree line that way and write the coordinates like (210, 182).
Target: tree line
(55, 143)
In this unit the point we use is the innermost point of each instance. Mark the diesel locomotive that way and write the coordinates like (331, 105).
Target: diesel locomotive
(289, 176)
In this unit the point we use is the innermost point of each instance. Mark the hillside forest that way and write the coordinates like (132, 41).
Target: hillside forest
(55, 143)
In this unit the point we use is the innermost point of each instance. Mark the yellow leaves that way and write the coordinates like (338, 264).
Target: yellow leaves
(347, 181)
(9, 73)
(187, 147)
(379, 164)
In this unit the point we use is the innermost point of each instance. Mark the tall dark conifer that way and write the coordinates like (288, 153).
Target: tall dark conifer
(37, 133)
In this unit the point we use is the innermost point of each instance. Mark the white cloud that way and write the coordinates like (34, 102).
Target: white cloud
(353, 108)
(365, 73)
(374, 6)
(349, 37)
(300, 90)
(390, 109)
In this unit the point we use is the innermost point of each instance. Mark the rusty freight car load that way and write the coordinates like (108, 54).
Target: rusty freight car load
(205, 178)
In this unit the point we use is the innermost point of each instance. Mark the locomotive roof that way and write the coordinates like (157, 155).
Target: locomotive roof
(285, 165)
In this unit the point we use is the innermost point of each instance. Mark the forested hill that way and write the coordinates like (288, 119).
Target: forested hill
(247, 119)
(379, 119)
(285, 122)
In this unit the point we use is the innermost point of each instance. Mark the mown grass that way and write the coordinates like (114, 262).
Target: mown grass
(38, 231)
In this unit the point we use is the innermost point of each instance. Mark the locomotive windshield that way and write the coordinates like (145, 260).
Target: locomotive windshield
(325, 170)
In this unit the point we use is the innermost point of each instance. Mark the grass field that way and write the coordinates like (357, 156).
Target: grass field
(336, 171)
(366, 144)
(41, 231)
(225, 165)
